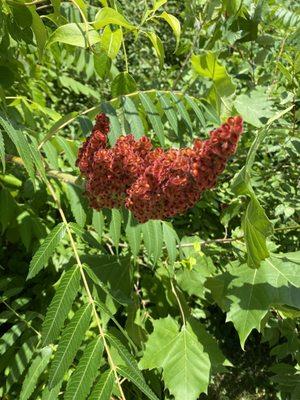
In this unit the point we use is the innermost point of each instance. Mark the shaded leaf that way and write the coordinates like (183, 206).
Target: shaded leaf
(36, 369)
(153, 116)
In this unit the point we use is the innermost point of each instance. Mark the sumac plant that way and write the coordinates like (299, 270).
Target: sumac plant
(149, 200)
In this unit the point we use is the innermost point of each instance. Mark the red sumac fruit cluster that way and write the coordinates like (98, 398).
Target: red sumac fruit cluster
(151, 182)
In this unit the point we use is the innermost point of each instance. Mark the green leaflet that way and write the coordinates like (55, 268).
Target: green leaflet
(153, 239)
(69, 344)
(60, 305)
(254, 107)
(115, 226)
(115, 127)
(132, 116)
(103, 388)
(249, 293)
(174, 24)
(158, 47)
(196, 109)
(82, 379)
(20, 141)
(186, 367)
(133, 235)
(51, 394)
(153, 116)
(98, 222)
(75, 197)
(47, 248)
(169, 111)
(36, 369)
(182, 112)
(171, 239)
(257, 228)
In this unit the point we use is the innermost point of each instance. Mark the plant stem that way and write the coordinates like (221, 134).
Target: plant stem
(86, 286)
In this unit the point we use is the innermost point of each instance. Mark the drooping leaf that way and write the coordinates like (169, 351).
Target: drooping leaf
(185, 365)
(36, 369)
(40, 31)
(115, 226)
(102, 64)
(174, 24)
(182, 112)
(20, 141)
(60, 305)
(75, 196)
(197, 110)
(115, 127)
(47, 248)
(82, 379)
(153, 239)
(153, 116)
(169, 111)
(104, 387)
(257, 228)
(158, 47)
(132, 116)
(69, 344)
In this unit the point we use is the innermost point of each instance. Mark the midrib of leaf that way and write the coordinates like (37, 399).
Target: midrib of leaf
(86, 367)
(49, 329)
(57, 232)
(82, 316)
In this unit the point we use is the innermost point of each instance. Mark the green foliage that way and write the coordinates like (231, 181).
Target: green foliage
(95, 305)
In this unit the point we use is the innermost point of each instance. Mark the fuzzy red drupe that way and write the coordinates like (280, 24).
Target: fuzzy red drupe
(153, 183)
